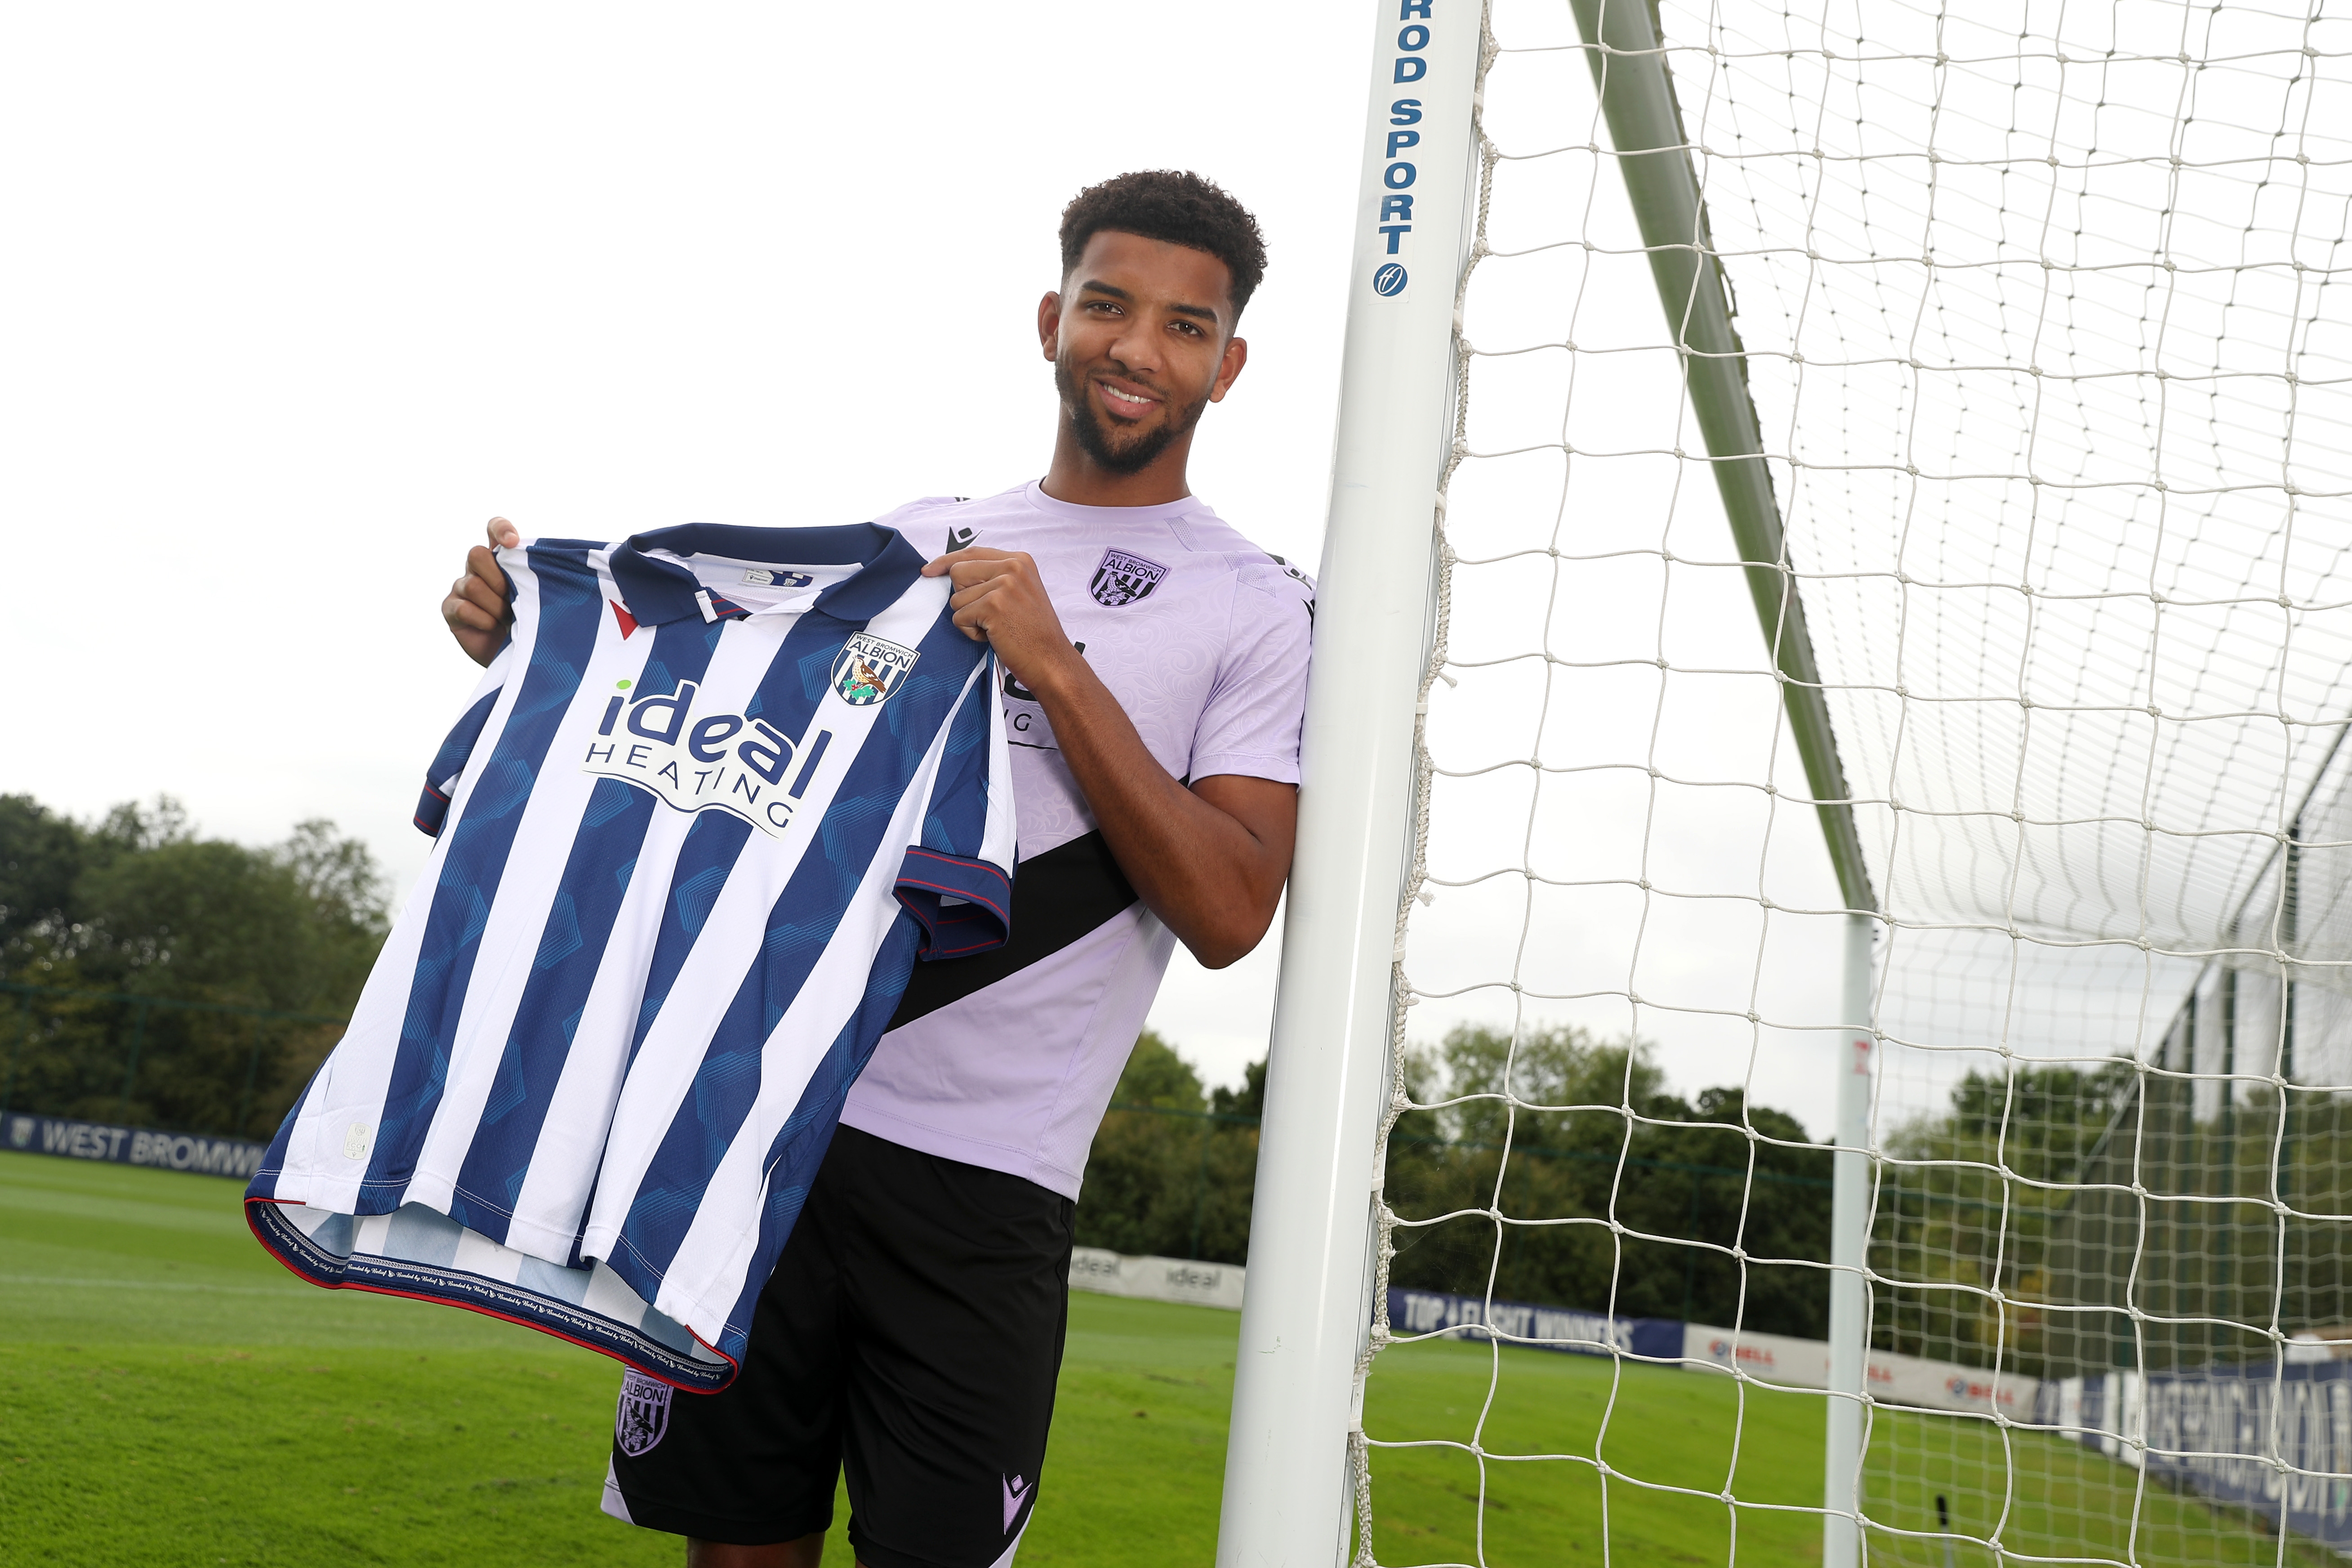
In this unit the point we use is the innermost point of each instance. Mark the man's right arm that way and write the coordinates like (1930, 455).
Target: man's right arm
(476, 609)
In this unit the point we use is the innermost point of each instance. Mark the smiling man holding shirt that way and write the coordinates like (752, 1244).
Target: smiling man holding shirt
(1155, 677)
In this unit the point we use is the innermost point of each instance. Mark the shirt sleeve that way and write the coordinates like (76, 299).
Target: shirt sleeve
(957, 879)
(1250, 724)
(449, 762)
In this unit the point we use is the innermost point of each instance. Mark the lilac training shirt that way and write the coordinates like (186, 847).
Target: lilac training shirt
(1007, 1061)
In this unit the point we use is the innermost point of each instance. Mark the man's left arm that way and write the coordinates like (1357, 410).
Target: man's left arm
(1209, 860)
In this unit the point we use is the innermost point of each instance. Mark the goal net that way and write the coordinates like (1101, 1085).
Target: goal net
(1937, 511)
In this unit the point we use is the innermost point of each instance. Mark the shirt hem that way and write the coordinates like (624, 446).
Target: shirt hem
(998, 1157)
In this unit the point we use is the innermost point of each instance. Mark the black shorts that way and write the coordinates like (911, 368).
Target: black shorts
(910, 1335)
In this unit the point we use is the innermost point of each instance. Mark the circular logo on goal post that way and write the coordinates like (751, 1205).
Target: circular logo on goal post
(1388, 280)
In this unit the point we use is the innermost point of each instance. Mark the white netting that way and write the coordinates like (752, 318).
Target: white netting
(2047, 331)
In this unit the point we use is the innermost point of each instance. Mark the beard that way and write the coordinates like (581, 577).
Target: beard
(1099, 440)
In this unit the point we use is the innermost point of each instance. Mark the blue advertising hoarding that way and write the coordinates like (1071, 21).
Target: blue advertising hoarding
(1538, 1328)
(2274, 1440)
(120, 1145)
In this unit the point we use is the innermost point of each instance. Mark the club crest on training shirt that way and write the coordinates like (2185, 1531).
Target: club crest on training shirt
(643, 1414)
(867, 669)
(1122, 579)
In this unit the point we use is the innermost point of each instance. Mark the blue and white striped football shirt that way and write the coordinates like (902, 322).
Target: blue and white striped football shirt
(712, 802)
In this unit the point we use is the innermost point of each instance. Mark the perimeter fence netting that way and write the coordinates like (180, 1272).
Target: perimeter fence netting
(2047, 334)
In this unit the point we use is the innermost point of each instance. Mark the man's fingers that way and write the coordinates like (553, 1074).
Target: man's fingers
(463, 609)
(939, 564)
(971, 610)
(975, 593)
(991, 587)
(475, 609)
(459, 612)
(490, 593)
(491, 604)
(484, 582)
(977, 561)
(964, 574)
(966, 619)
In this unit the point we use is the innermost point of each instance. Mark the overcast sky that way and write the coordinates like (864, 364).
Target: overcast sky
(298, 296)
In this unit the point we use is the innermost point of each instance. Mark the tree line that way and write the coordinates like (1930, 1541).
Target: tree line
(1560, 1171)
(2064, 1217)
(1612, 1193)
(168, 979)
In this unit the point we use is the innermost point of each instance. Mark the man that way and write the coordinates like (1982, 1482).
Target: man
(1155, 670)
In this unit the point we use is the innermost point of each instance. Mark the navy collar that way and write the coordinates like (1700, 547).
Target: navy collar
(654, 591)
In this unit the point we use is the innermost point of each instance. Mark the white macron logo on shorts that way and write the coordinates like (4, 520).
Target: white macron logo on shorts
(1015, 1494)
(643, 1414)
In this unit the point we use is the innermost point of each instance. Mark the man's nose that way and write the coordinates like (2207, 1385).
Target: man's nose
(1136, 347)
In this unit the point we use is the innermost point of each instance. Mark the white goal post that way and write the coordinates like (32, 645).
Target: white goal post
(1297, 1388)
(1293, 1464)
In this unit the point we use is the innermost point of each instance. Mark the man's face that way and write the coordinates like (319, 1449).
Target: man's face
(1141, 340)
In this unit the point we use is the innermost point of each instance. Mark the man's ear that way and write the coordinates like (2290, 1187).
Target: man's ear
(1229, 368)
(1049, 325)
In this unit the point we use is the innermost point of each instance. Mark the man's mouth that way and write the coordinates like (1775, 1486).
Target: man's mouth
(1122, 404)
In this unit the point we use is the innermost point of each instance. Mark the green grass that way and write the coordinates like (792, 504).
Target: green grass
(1671, 1435)
(2060, 1501)
(1675, 1443)
(169, 1395)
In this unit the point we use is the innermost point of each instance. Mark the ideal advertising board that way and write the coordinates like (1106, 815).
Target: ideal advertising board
(1157, 1278)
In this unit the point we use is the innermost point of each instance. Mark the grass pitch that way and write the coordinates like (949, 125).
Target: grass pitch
(169, 1395)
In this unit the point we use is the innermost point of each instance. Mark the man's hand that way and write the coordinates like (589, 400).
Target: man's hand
(1000, 598)
(476, 610)
(1209, 860)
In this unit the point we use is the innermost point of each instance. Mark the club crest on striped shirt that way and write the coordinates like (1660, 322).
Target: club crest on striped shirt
(1122, 579)
(643, 1415)
(869, 668)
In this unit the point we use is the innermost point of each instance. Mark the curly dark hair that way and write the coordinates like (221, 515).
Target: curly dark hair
(1174, 206)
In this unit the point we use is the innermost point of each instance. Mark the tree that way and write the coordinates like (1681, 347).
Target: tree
(1611, 1194)
(1249, 1100)
(40, 856)
(139, 905)
(1967, 1203)
(1586, 1134)
(1171, 1173)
